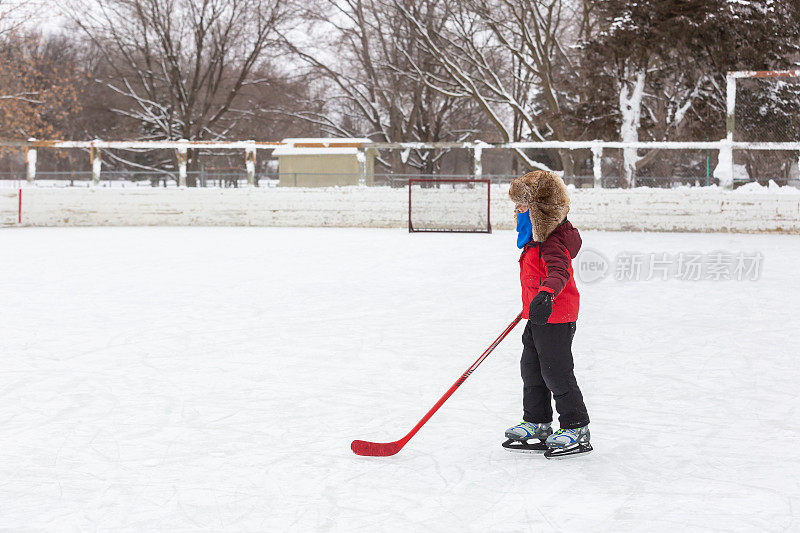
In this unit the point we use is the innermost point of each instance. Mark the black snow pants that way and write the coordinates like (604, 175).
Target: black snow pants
(547, 368)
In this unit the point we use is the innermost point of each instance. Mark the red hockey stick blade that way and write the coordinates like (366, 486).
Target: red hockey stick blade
(376, 449)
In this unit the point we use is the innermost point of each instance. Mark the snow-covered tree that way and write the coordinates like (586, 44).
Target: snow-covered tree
(512, 58)
(757, 35)
(667, 60)
(637, 42)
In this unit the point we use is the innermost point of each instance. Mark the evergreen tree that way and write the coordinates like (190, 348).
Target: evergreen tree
(660, 66)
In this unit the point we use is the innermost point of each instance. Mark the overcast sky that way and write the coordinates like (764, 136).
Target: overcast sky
(44, 15)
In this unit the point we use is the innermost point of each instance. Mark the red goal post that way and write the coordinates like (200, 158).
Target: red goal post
(473, 215)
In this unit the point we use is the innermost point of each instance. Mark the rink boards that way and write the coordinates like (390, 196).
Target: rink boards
(643, 209)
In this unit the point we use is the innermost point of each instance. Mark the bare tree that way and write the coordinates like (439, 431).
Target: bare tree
(366, 62)
(508, 56)
(14, 14)
(181, 65)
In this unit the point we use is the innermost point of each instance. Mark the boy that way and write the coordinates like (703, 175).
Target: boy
(550, 303)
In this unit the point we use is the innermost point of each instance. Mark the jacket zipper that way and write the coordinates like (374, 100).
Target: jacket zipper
(539, 266)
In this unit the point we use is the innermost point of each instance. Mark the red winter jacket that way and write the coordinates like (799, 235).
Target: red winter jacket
(547, 267)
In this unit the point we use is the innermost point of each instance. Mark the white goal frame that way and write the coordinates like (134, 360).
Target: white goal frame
(730, 122)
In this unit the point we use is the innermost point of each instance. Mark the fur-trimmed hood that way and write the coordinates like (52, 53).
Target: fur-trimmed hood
(546, 197)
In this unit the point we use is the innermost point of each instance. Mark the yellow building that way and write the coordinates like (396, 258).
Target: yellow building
(324, 162)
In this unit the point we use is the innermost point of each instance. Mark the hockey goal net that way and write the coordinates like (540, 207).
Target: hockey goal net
(449, 205)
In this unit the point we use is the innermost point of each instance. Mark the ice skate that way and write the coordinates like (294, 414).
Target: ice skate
(528, 437)
(568, 443)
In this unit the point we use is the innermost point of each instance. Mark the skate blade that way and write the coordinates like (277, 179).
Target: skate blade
(518, 446)
(569, 453)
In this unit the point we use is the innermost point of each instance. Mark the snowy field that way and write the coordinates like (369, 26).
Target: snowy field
(173, 379)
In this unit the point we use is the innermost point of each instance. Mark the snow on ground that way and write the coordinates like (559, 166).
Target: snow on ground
(171, 379)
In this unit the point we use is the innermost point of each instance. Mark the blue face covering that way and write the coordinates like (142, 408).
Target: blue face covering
(524, 229)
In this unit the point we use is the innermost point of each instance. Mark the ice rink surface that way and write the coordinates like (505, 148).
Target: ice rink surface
(174, 379)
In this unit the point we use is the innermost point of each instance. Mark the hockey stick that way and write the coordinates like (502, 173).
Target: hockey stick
(382, 449)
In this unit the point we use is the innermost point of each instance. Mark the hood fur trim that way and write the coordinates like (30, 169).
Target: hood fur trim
(545, 195)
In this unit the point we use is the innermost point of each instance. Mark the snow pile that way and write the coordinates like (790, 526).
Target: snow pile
(771, 188)
(724, 169)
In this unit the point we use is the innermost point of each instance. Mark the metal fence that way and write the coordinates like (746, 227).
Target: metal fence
(125, 178)
(593, 164)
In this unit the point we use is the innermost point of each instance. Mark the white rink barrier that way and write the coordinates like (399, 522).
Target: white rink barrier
(687, 209)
